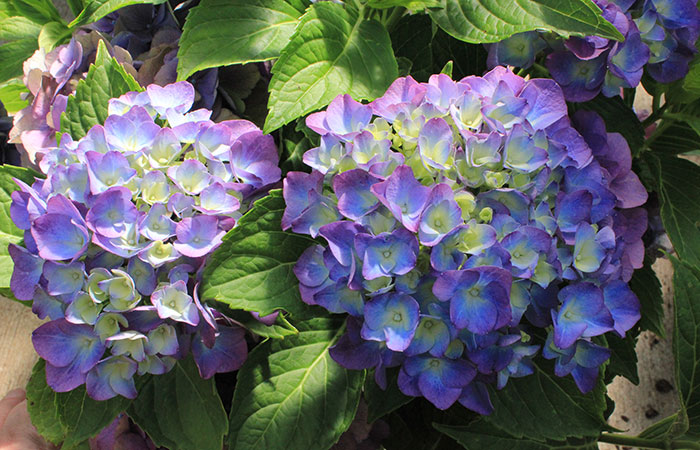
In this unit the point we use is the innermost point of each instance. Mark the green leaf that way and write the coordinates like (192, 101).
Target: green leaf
(180, 410)
(106, 79)
(447, 68)
(9, 233)
(686, 339)
(7, 9)
(291, 395)
(412, 39)
(623, 360)
(679, 195)
(97, 9)
(41, 404)
(19, 37)
(278, 330)
(691, 82)
(222, 32)
(468, 59)
(252, 269)
(10, 95)
(646, 286)
(494, 20)
(76, 6)
(619, 118)
(411, 5)
(38, 11)
(381, 402)
(543, 406)
(333, 51)
(83, 417)
(53, 34)
(480, 435)
(672, 426)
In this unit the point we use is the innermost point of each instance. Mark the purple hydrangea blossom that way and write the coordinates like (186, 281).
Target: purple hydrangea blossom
(143, 39)
(114, 257)
(485, 214)
(659, 36)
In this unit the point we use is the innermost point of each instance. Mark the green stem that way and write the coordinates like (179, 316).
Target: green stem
(631, 441)
(655, 103)
(654, 116)
(540, 69)
(394, 18)
(172, 14)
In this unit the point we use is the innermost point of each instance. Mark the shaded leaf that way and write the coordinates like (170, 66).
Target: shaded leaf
(543, 406)
(686, 339)
(680, 202)
(381, 402)
(481, 435)
(180, 410)
(41, 405)
(645, 284)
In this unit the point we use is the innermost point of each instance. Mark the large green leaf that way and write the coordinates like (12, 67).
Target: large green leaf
(334, 51)
(645, 284)
(679, 194)
(106, 79)
(97, 9)
(686, 339)
(41, 404)
(543, 406)
(19, 38)
(481, 435)
(71, 417)
(291, 395)
(381, 402)
(180, 410)
(223, 32)
(9, 233)
(84, 417)
(494, 20)
(252, 269)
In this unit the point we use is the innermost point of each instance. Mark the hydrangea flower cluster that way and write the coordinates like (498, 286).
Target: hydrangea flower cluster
(148, 52)
(117, 234)
(461, 220)
(659, 35)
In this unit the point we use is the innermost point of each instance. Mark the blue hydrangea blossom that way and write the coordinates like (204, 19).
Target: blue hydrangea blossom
(659, 35)
(117, 234)
(486, 214)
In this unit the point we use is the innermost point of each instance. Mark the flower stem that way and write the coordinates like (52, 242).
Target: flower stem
(394, 18)
(632, 441)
